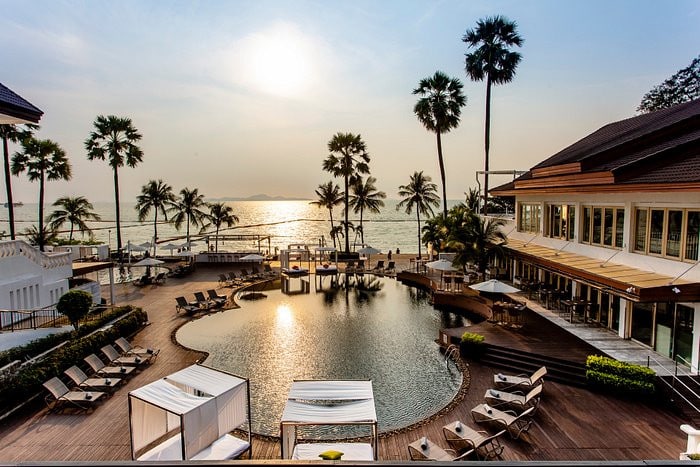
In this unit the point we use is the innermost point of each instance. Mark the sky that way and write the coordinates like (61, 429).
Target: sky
(238, 98)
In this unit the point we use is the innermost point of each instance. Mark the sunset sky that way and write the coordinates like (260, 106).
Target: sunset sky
(241, 97)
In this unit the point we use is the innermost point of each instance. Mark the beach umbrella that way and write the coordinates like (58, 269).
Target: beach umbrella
(148, 262)
(368, 251)
(131, 247)
(171, 247)
(253, 257)
(186, 253)
(493, 286)
(441, 265)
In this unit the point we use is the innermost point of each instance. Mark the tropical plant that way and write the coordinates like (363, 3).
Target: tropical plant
(472, 200)
(439, 109)
(189, 208)
(419, 194)
(113, 140)
(45, 236)
(365, 196)
(475, 239)
(74, 210)
(329, 196)
(493, 61)
(158, 196)
(220, 214)
(682, 87)
(14, 134)
(43, 160)
(75, 305)
(435, 233)
(348, 158)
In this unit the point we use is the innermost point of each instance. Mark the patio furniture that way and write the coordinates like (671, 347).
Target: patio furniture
(61, 395)
(379, 267)
(390, 268)
(464, 439)
(129, 360)
(425, 450)
(160, 278)
(224, 281)
(522, 381)
(269, 272)
(203, 302)
(128, 349)
(84, 382)
(220, 300)
(100, 368)
(517, 400)
(505, 419)
(182, 305)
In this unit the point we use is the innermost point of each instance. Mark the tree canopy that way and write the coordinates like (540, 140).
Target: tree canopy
(682, 87)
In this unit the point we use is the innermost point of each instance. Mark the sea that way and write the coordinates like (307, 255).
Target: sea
(285, 222)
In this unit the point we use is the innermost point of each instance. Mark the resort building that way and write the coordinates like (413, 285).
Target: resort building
(608, 229)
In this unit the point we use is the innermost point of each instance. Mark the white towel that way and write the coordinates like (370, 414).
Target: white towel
(495, 394)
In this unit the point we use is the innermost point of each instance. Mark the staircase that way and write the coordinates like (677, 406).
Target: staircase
(518, 361)
(682, 394)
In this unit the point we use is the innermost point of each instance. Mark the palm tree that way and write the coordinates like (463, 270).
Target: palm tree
(158, 196)
(220, 214)
(476, 239)
(15, 134)
(472, 200)
(494, 61)
(329, 196)
(438, 110)
(114, 140)
(75, 210)
(420, 194)
(348, 158)
(189, 209)
(36, 237)
(366, 197)
(43, 160)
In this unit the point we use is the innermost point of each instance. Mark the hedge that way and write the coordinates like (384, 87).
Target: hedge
(620, 377)
(472, 338)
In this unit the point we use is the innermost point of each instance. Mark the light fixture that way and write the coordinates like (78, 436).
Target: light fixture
(676, 290)
(630, 289)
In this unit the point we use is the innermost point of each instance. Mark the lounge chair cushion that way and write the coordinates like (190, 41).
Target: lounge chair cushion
(352, 451)
(331, 455)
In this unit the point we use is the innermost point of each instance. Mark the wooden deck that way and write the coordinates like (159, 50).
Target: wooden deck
(571, 424)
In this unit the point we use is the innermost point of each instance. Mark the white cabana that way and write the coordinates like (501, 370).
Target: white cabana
(189, 415)
(325, 261)
(329, 403)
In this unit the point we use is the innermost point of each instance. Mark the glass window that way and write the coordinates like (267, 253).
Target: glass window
(586, 227)
(608, 226)
(619, 227)
(571, 215)
(673, 233)
(656, 231)
(683, 340)
(640, 230)
(664, 329)
(642, 321)
(555, 221)
(597, 224)
(692, 235)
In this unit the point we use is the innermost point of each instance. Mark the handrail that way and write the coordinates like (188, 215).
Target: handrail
(29, 319)
(675, 380)
(686, 363)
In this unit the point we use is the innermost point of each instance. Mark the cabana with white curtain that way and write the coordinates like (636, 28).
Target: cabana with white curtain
(329, 403)
(189, 415)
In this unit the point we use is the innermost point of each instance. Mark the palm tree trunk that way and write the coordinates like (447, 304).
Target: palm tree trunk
(188, 228)
(41, 211)
(70, 235)
(347, 226)
(155, 231)
(8, 186)
(362, 229)
(418, 216)
(116, 200)
(330, 213)
(442, 173)
(216, 240)
(487, 136)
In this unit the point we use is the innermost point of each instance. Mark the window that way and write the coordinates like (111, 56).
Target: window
(603, 226)
(609, 227)
(530, 218)
(619, 227)
(656, 231)
(692, 235)
(586, 237)
(571, 222)
(640, 230)
(673, 233)
(560, 221)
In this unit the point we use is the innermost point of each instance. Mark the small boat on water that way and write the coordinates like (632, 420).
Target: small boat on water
(16, 205)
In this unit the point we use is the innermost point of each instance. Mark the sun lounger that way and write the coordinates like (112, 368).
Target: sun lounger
(390, 268)
(425, 450)
(82, 380)
(60, 395)
(203, 301)
(351, 451)
(269, 272)
(109, 371)
(225, 448)
(128, 349)
(160, 278)
(182, 305)
(224, 281)
(514, 423)
(379, 267)
(129, 360)
(220, 300)
(522, 382)
(463, 438)
(514, 400)
(234, 280)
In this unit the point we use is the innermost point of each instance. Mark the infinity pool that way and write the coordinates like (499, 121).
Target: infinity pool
(380, 330)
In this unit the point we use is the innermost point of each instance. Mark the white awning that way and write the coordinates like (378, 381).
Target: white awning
(205, 379)
(349, 412)
(331, 390)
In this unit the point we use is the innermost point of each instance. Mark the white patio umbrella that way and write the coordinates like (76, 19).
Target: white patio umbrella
(171, 247)
(148, 262)
(441, 265)
(368, 251)
(186, 253)
(493, 286)
(131, 247)
(253, 257)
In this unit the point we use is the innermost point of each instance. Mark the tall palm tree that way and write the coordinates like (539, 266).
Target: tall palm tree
(43, 160)
(329, 196)
(75, 210)
(420, 194)
(348, 158)
(476, 239)
(492, 60)
(220, 214)
(189, 208)
(472, 200)
(113, 139)
(439, 109)
(365, 196)
(158, 196)
(14, 134)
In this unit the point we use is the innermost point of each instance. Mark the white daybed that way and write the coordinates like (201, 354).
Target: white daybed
(329, 403)
(189, 415)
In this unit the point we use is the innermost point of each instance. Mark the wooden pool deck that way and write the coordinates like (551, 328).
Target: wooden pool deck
(571, 424)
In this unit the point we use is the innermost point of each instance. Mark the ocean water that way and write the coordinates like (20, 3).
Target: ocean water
(287, 222)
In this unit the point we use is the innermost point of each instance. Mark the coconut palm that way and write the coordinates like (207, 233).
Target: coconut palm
(329, 196)
(14, 134)
(493, 61)
(439, 109)
(43, 160)
(113, 140)
(220, 214)
(420, 194)
(40, 237)
(472, 200)
(189, 208)
(348, 158)
(365, 196)
(157, 196)
(476, 239)
(74, 210)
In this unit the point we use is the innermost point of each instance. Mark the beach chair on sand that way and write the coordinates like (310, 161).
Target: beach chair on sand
(182, 305)
(425, 450)
(108, 371)
(203, 301)
(390, 268)
(61, 395)
(461, 438)
(514, 400)
(508, 419)
(224, 281)
(86, 383)
(379, 267)
(160, 278)
(220, 300)
(128, 349)
(129, 360)
(234, 280)
(522, 382)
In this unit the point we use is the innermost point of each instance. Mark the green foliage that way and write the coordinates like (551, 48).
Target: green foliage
(694, 457)
(620, 377)
(18, 387)
(75, 305)
(682, 87)
(472, 338)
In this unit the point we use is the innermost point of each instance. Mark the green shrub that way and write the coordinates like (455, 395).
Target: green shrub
(75, 305)
(472, 338)
(619, 377)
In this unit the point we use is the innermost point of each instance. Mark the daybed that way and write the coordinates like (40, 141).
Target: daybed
(200, 405)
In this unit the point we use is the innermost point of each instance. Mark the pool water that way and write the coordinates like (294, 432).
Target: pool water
(381, 330)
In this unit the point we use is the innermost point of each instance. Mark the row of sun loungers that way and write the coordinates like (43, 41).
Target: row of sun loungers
(507, 407)
(200, 302)
(105, 378)
(236, 280)
(158, 279)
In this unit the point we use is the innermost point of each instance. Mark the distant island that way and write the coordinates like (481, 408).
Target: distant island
(260, 197)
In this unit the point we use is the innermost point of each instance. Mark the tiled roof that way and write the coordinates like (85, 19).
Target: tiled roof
(16, 106)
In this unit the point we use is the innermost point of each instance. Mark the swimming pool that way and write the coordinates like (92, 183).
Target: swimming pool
(386, 335)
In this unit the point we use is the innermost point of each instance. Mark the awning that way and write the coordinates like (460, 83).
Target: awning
(628, 282)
